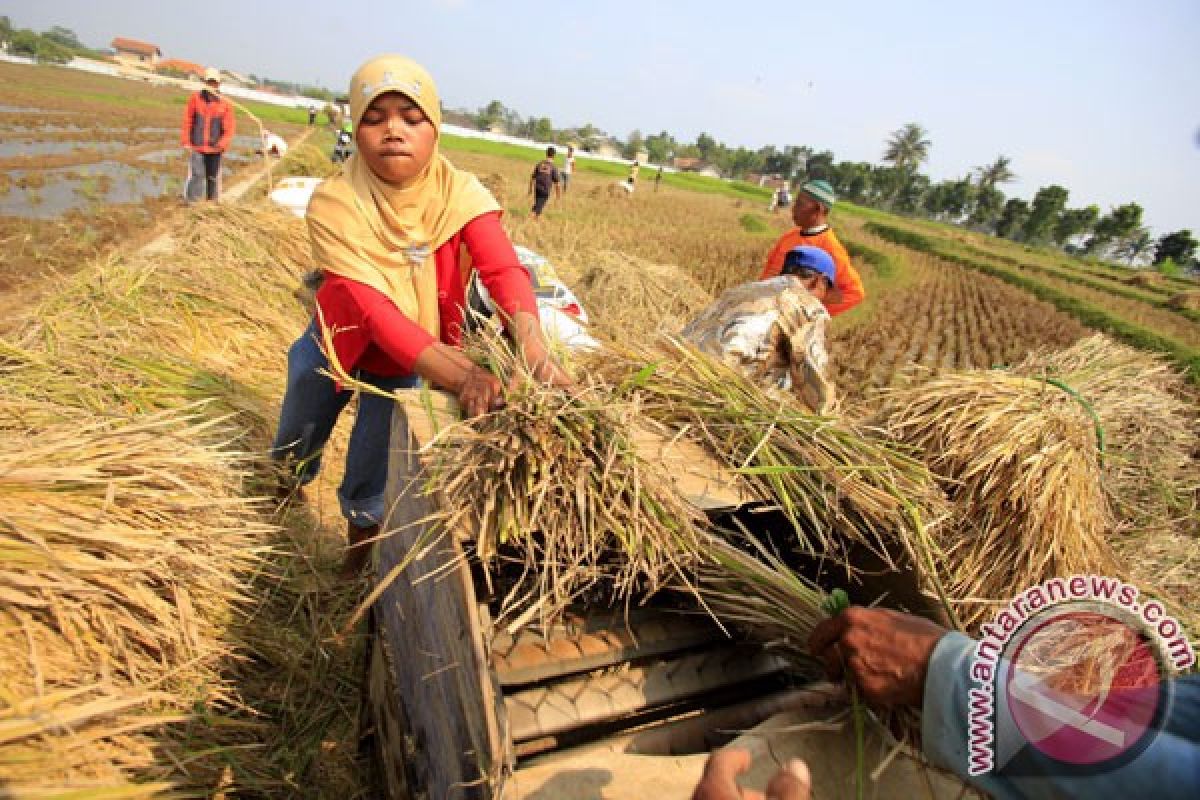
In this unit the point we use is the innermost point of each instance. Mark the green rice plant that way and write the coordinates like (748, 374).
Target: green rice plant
(753, 223)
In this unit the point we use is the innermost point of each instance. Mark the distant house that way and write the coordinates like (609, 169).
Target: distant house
(135, 53)
(236, 78)
(607, 149)
(189, 68)
(697, 165)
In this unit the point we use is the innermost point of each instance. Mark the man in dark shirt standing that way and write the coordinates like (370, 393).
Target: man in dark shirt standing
(544, 178)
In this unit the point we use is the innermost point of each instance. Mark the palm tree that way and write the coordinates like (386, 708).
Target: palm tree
(907, 148)
(996, 172)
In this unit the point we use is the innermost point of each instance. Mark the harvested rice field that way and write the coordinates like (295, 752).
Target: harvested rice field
(89, 162)
(170, 625)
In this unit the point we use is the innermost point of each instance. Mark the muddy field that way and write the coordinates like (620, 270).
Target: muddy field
(89, 163)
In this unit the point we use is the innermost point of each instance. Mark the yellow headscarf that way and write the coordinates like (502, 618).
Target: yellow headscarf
(382, 235)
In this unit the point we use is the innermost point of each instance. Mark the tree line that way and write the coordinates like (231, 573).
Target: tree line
(975, 200)
(55, 46)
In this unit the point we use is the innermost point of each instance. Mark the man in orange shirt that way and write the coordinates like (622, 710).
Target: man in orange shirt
(810, 213)
(208, 127)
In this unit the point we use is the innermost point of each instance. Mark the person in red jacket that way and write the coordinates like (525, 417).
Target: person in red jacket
(208, 127)
(810, 213)
(389, 233)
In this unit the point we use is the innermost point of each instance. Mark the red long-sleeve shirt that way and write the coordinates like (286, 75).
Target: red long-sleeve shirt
(371, 333)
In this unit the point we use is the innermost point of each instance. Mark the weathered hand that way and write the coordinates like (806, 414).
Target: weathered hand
(719, 782)
(547, 370)
(479, 392)
(886, 652)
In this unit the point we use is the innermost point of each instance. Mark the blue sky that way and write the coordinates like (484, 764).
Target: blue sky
(1101, 97)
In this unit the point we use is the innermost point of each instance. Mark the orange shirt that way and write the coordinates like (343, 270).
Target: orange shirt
(848, 281)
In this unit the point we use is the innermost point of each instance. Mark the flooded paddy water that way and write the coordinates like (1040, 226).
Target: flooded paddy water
(90, 162)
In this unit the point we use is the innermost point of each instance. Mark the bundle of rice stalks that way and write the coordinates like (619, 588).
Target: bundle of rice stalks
(1150, 432)
(628, 296)
(1019, 458)
(1186, 301)
(1146, 280)
(750, 588)
(310, 159)
(122, 543)
(839, 485)
(553, 493)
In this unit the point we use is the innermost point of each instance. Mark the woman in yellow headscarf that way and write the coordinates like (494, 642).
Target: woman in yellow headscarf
(389, 233)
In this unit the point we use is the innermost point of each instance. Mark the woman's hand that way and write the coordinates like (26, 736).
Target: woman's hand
(527, 332)
(479, 392)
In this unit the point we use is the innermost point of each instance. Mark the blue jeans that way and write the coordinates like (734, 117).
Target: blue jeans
(311, 405)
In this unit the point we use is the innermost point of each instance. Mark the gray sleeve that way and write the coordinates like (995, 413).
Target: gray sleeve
(1168, 768)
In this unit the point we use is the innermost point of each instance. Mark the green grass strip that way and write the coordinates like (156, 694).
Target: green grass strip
(619, 170)
(882, 263)
(1089, 314)
(1079, 277)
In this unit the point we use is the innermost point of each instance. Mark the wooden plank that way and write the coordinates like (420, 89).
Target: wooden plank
(431, 631)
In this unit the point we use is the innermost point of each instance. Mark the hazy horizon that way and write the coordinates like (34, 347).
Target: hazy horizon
(1092, 96)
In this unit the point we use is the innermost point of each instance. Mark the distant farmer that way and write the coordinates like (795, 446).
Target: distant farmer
(781, 198)
(545, 177)
(208, 127)
(773, 331)
(810, 213)
(633, 171)
(658, 179)
(312, 115)
(568, 168)
(274, 144)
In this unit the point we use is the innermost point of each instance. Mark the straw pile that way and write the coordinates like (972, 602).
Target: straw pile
(1186, 301)
(1038, 461)
(122, 544)
(1019, 459)
(1150, 431)
(628, 296)
(837, 483)
(1145, 280)
(131, 401)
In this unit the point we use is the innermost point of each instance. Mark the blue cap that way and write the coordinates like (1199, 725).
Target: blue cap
(807, 257)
